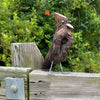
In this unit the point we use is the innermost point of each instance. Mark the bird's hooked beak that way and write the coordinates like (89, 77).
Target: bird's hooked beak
(69, 25)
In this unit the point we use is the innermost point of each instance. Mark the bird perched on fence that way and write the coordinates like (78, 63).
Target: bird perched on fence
(62, 42)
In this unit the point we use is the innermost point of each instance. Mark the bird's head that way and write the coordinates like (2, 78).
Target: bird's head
(62, 20)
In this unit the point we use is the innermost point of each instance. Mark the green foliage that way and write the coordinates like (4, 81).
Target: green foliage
(16, 29)
(26, 21)
(82, 59)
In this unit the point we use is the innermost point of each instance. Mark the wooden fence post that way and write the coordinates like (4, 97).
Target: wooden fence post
(14, 72)
(26, 55)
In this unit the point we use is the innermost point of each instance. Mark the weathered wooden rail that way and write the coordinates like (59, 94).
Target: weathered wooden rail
(66, 86)
(42, 85)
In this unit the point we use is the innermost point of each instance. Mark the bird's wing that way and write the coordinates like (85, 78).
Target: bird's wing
(56, 44)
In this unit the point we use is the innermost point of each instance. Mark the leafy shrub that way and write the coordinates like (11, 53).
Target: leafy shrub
(27, 21)
(83, 60)
(16, 29)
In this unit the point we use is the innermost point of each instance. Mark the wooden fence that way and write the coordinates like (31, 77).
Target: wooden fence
(42, 85)
(14, 72)
(64, 86)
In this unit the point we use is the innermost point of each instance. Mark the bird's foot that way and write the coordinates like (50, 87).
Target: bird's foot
(50, 70)
(61, 68)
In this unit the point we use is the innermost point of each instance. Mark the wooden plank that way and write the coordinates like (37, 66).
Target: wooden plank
(2, 93)
(15, 69)
(14, 72)
(26, 55)
(66, 86)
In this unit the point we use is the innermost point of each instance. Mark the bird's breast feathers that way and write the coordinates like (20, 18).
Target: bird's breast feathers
(64, 31)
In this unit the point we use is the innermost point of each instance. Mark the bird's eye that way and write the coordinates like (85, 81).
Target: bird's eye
(69, 22)
(62, 21)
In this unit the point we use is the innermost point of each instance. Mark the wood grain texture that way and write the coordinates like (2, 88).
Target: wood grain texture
(2, 93)
(14, 72)
(26, 55)
(66, 86)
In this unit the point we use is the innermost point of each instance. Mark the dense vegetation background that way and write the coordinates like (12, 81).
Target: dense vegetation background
(33, 21)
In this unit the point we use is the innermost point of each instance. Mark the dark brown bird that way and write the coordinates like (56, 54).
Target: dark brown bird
(62, 42)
